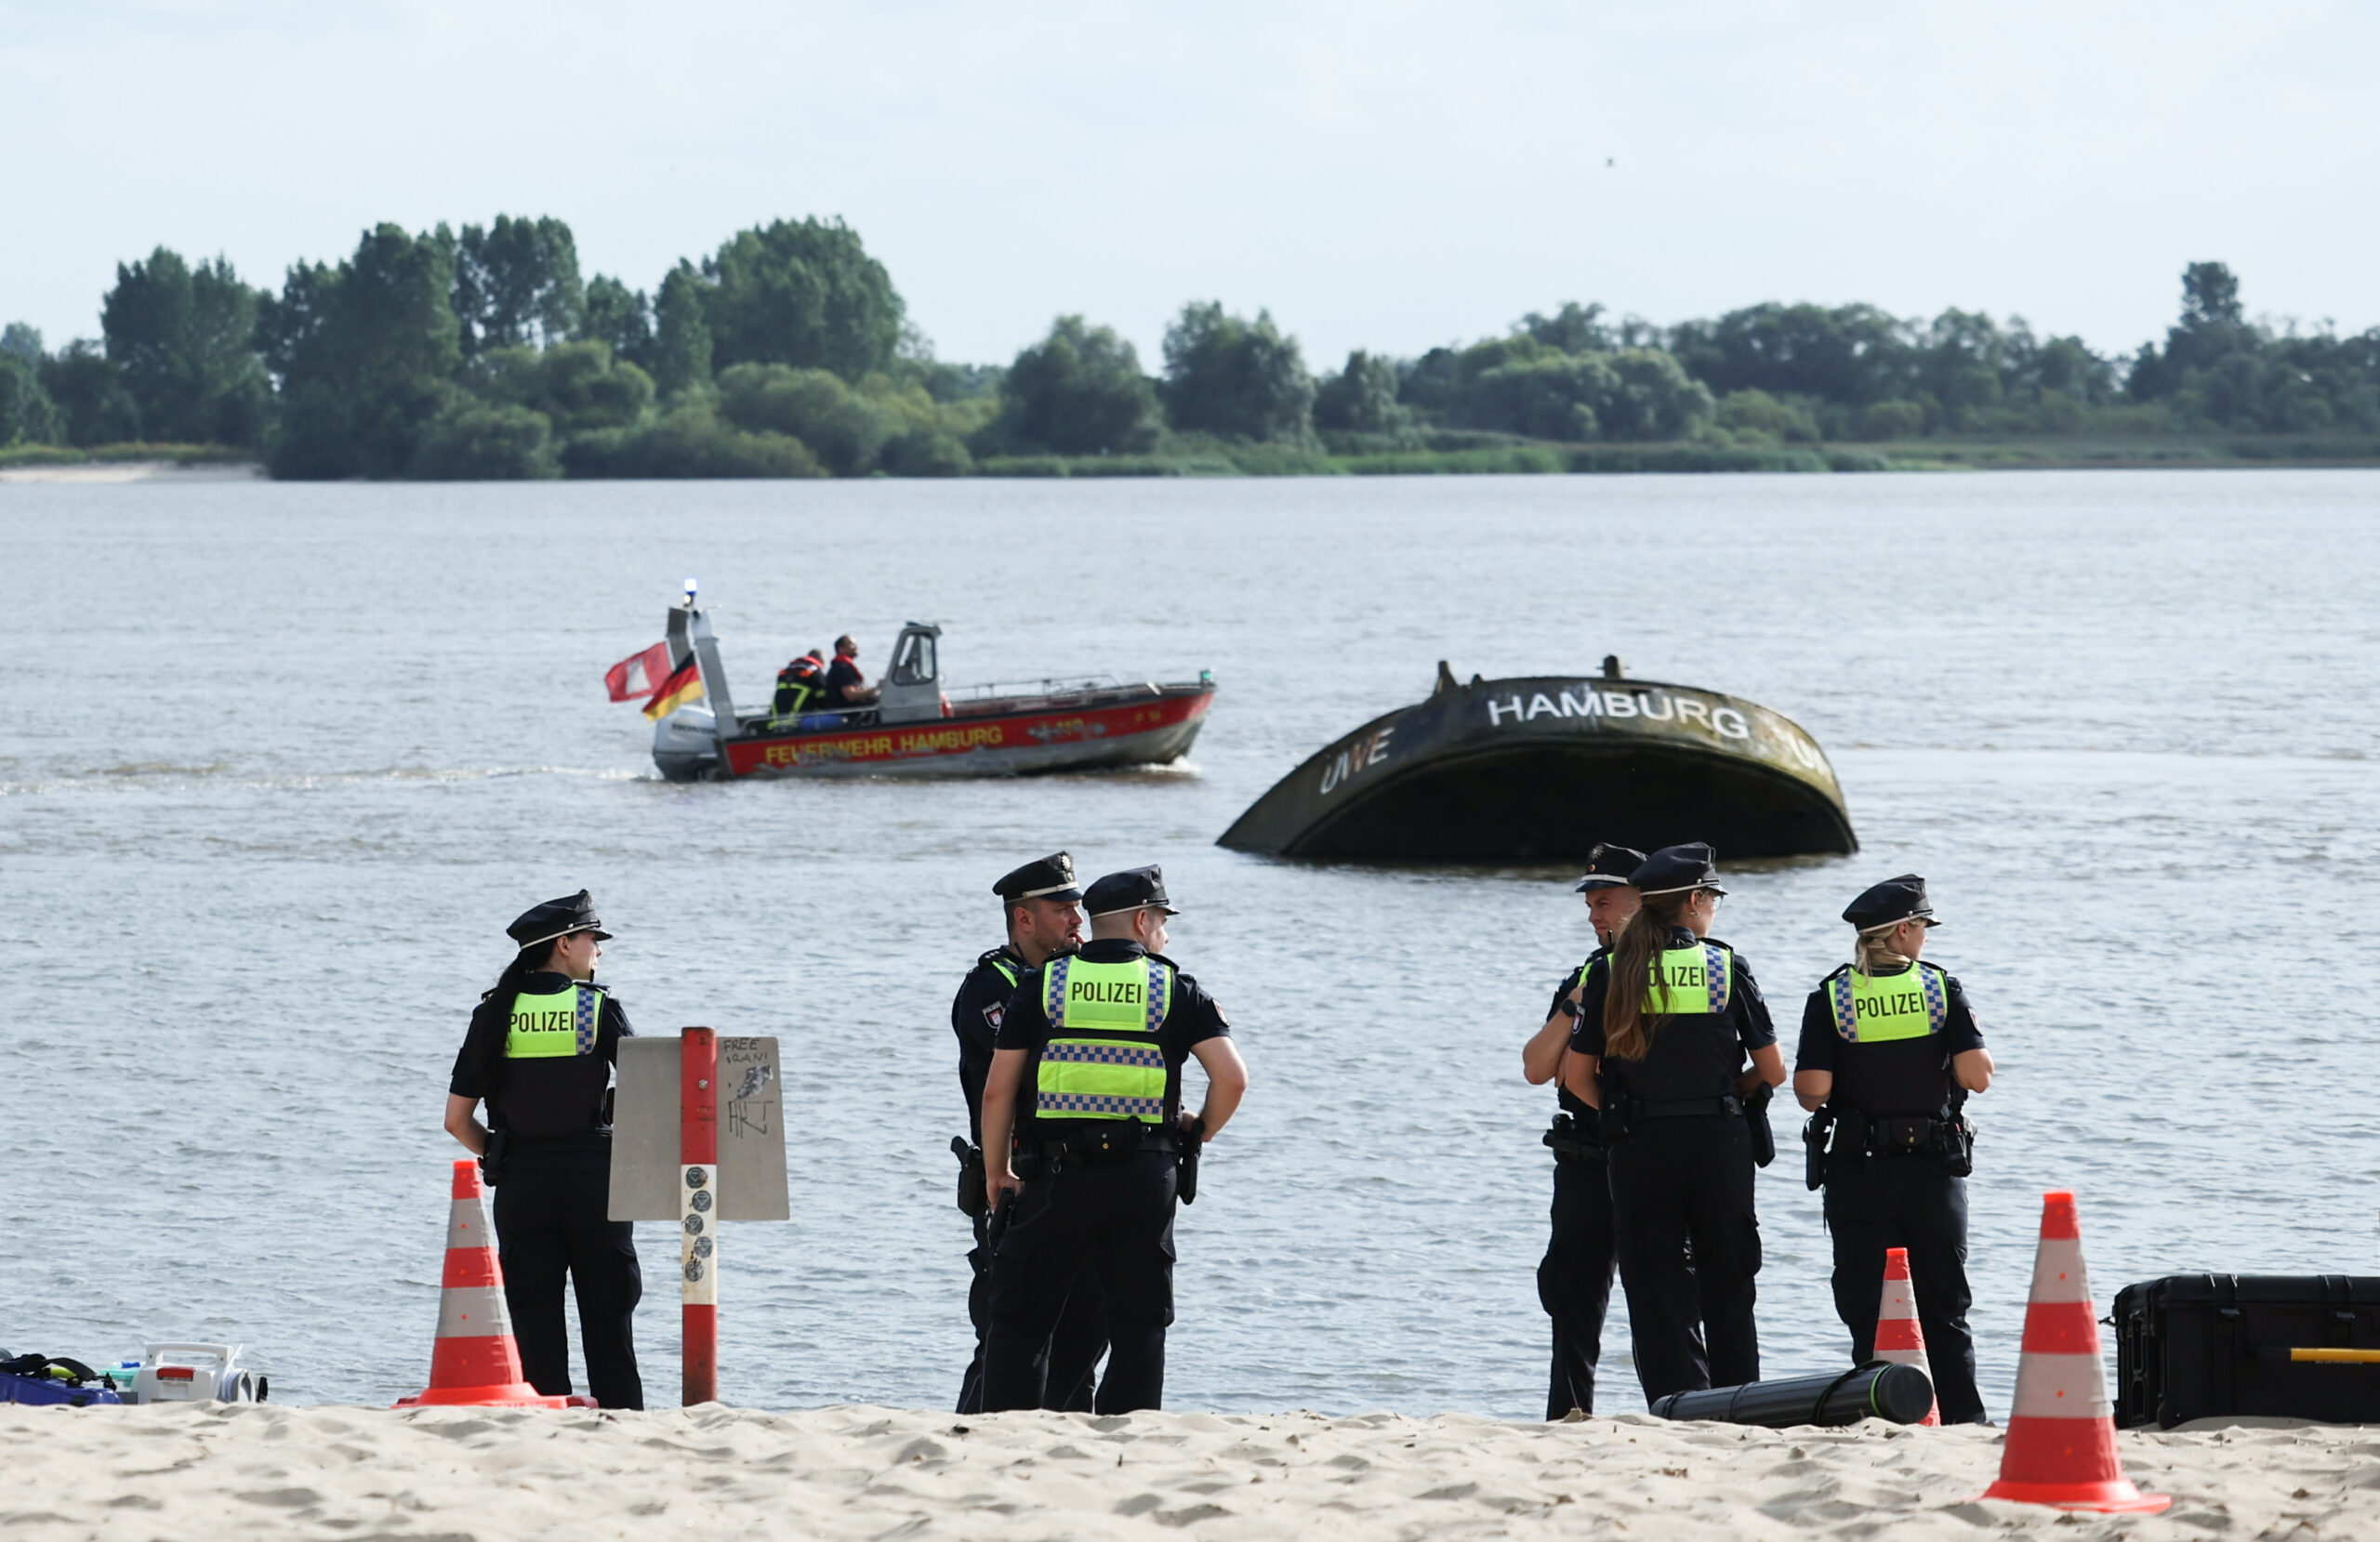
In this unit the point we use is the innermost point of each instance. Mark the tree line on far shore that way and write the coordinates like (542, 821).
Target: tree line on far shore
(484, 353)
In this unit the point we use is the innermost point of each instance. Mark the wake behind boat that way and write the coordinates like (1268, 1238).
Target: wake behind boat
(914, 727)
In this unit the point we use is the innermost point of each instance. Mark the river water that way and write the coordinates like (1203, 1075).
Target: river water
(277, 763)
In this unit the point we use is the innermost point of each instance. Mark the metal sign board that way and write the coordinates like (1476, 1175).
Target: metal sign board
(645, 1180)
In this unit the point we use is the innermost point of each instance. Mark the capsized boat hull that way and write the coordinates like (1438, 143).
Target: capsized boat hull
(1542, 768)
(1155, 727)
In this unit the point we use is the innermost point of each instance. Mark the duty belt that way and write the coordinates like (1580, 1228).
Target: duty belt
(1104, 1141)
(1569, 1142)
(1912, 1135)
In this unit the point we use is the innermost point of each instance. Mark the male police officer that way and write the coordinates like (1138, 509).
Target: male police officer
(1574, 1279)
(1889, 1053)
(1105, 1032)
(540, 1050)
(1040, 903)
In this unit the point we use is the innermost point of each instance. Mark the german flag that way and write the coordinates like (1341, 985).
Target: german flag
(684, 686)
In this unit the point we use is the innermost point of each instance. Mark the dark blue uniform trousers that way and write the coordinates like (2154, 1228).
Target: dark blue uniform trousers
(1676, 1182)
(1574, 1281)
(1074, 1346)
(1114, 1223)
(549, 1225)
(1873, 1203)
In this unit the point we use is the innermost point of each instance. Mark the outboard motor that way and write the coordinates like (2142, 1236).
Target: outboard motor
(195, 1373)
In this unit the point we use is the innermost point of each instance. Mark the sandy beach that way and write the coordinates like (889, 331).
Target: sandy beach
(354, 1473)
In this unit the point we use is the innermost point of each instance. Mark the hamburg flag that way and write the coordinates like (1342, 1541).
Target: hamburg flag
(684, 686)
(640, 675)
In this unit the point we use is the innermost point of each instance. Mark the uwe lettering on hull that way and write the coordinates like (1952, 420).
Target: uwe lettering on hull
(1357, 758)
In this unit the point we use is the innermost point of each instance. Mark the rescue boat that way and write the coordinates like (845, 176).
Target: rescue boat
(1541, 768)
(918, 728)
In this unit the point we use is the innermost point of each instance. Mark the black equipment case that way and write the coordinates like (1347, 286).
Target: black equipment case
(2194, 1346)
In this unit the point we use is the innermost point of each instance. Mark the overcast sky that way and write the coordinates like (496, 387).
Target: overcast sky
(1384, 174)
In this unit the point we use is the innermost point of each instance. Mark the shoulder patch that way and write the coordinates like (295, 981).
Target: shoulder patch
(996, 1014)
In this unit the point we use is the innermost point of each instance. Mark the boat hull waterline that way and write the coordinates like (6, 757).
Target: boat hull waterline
(1542, 768)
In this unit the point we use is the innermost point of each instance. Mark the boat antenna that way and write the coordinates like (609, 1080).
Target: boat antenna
(1610, 661)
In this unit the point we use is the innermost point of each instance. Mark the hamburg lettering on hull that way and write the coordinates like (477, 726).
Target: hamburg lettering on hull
(1587, 701)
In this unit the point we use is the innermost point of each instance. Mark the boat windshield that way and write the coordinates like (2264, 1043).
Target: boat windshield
(914, 664)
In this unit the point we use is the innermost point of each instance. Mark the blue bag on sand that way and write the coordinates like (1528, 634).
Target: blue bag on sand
(47, 1378)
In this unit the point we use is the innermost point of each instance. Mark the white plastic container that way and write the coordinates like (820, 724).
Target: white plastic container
(194, 1373)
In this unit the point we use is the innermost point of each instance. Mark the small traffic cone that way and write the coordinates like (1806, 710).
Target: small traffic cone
(2061, 1445)
(476, 1361)
(1898, 1337)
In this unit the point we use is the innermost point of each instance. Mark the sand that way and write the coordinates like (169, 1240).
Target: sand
(359, 1475)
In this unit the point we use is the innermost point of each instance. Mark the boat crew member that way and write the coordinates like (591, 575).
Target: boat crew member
(799, 684)
(845, 685)
(1042, 910)
(1889, 1053)
(1098, 1040)
(540, 1051)
(1666, 1020)
(1574, 1278)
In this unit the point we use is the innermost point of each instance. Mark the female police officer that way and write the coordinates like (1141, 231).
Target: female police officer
(1574, 1278)
(540, 1050)
(1665, 1020)
(1889, 1052)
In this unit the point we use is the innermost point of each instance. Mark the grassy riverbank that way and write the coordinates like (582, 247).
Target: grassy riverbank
(111, 455)
(1522, 457)
(1945, 454)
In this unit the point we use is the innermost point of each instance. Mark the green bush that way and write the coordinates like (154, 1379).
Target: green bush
(689, 441)
(927, 452)
(1892, 421)
(1236, 378)
(846, 429)
(1747, 413)
(578, 386)
(1078, 391)
(27, 414)
(484, 441)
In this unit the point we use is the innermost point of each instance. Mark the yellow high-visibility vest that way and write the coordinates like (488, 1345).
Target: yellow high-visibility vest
(1103, 1060)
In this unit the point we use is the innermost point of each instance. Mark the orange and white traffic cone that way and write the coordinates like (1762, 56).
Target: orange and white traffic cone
(1898, 1337)
(476, 1361)
(2061, 1445)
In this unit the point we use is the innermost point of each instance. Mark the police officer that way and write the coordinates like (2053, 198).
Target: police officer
(540, 1051)
(1666, 1020)
(1098, 1040)
(1889, 1053)
(1574, 1279)
(1041, 908)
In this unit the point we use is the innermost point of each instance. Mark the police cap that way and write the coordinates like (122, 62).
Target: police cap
(557, 918)
(1609, 867)
(1049, 877)
(1134, 889)
(1894, 900)
(1676, 869)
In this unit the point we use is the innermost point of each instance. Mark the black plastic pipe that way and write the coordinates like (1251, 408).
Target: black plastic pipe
(1882, 1390)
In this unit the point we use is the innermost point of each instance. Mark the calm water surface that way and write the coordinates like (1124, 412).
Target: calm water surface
(278, 762)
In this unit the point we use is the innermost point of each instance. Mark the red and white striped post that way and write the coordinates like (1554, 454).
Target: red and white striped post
(698, 1209)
